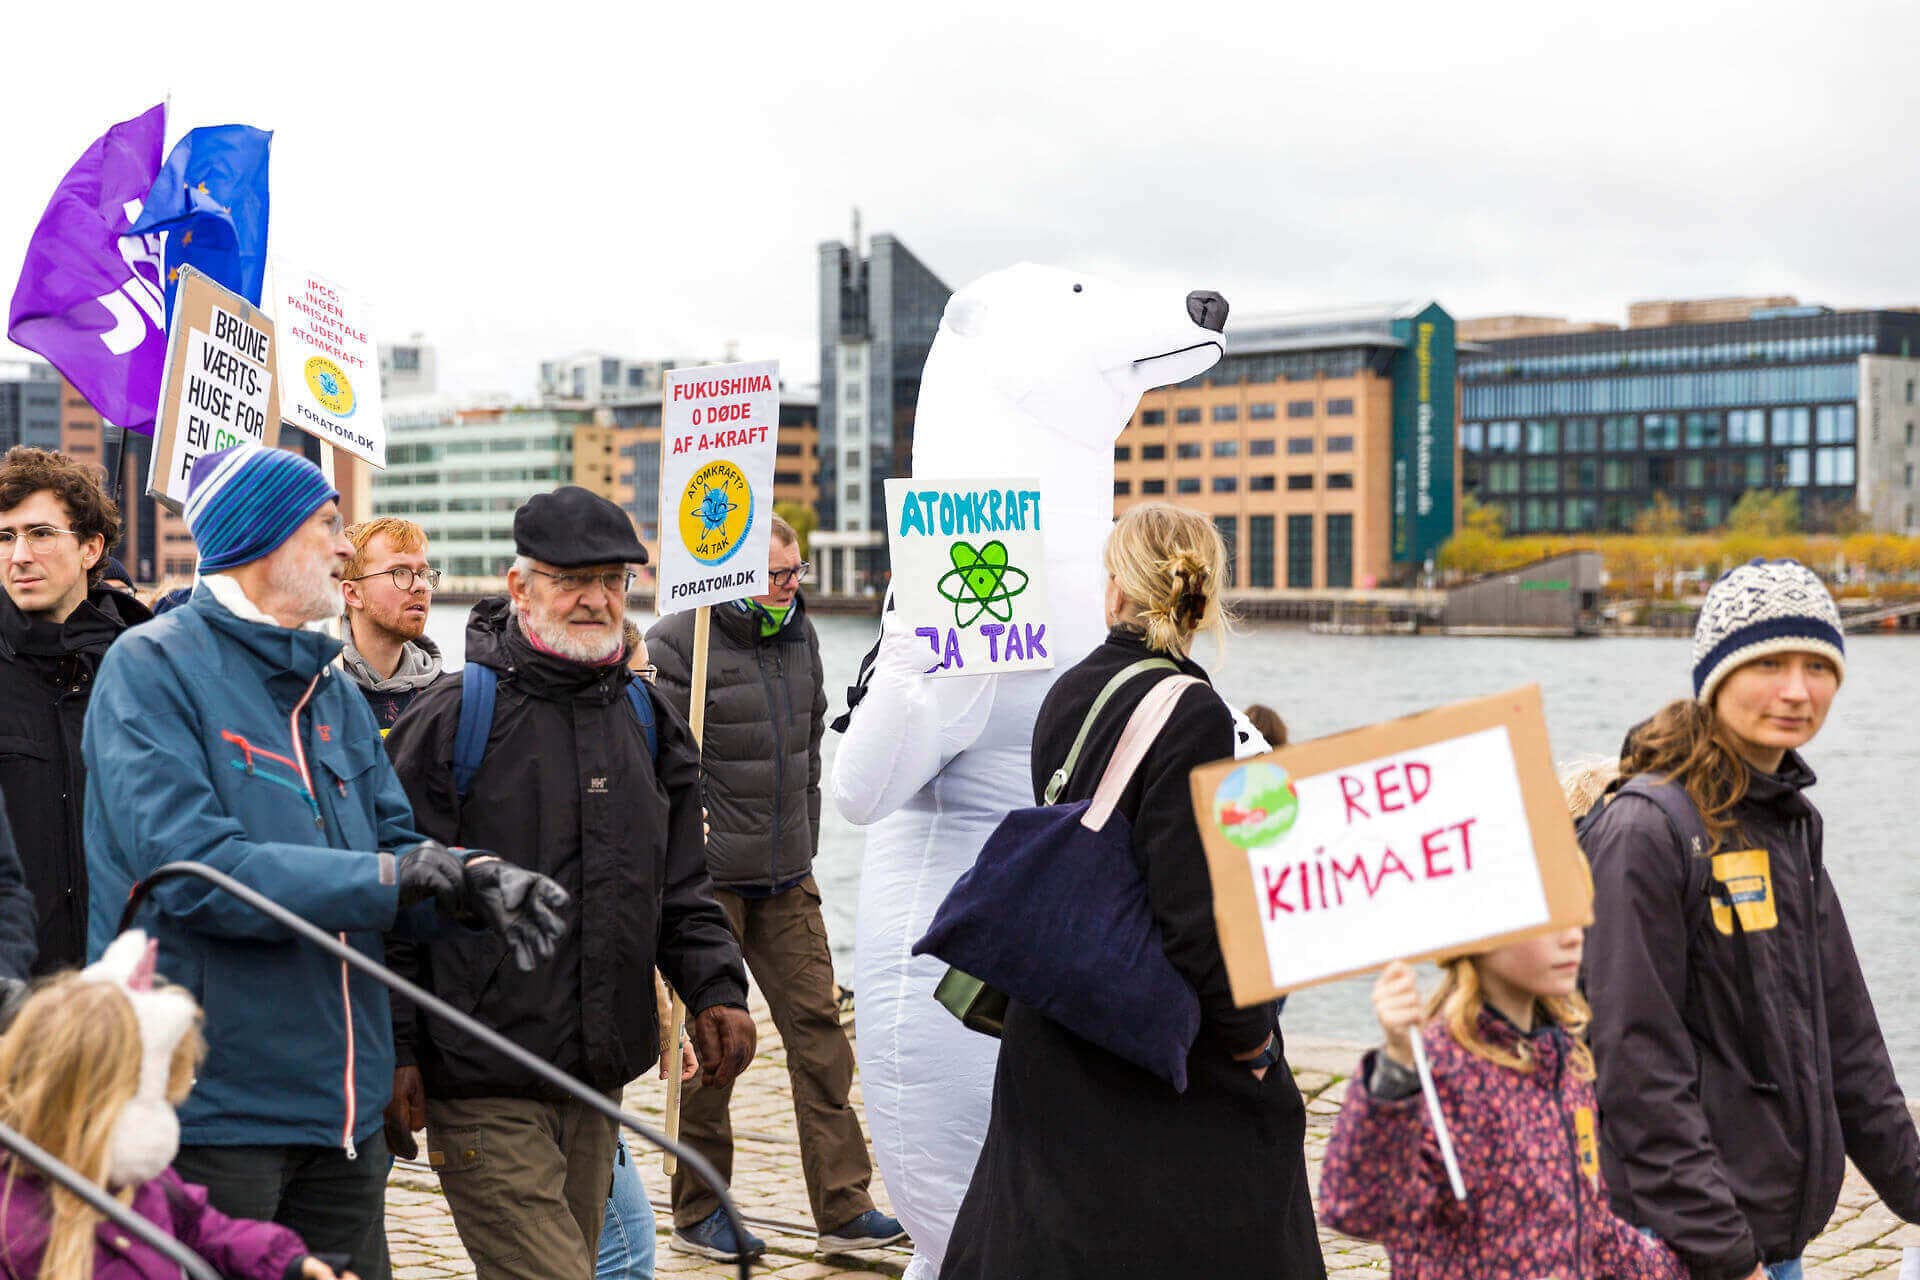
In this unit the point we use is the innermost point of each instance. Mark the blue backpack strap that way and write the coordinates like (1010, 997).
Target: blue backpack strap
(642, 705)
(477, 686)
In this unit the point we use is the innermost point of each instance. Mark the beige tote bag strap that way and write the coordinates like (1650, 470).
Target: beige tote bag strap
(1143, 726)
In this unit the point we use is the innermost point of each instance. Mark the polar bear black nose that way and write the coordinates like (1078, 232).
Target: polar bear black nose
(1208, 309)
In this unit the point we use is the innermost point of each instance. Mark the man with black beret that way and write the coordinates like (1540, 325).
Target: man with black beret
(567, 780)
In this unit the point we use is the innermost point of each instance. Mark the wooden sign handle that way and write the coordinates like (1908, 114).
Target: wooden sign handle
(697, 717)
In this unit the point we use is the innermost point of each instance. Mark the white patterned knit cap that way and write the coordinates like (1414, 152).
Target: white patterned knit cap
(1762, 607)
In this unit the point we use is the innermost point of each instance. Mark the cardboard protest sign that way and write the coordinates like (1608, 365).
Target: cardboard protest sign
(717, 440)
(1440, 833)
(329, 363)
(968, 571)
(219, 388)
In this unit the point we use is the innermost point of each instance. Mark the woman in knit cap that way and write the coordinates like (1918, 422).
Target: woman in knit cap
(1740, 1062)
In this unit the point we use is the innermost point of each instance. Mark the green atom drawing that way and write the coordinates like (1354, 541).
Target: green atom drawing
(981, 582)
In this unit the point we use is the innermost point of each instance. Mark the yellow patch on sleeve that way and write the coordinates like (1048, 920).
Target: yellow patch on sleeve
(1749, 884)
(1589, 1143)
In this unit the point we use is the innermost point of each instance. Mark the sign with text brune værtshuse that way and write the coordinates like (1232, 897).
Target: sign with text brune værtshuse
(219, 389)
(1435, 835)
(969, 574)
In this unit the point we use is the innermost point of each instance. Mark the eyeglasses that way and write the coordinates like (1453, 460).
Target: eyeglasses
(404, 578)
(40, 539)
(614, 582)
(793, 576)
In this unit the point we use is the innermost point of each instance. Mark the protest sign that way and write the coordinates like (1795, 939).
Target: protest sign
(329, 363)
(718, 425)
(219, 389)
(1429, 836)
(968, 573)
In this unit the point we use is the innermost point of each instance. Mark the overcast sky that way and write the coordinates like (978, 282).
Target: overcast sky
(651, 179)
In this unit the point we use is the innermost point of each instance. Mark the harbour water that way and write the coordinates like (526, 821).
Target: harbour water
(1867, 758)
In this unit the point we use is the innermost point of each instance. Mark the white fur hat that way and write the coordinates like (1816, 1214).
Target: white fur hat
(146, 1137)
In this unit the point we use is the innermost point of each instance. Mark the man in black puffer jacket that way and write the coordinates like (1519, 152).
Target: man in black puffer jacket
(766, 710)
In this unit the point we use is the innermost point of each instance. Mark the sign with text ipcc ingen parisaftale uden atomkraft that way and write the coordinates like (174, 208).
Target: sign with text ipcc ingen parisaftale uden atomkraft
(718, 429)
(329, 363)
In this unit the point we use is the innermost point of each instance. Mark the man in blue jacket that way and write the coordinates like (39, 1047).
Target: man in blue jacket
(224, 734)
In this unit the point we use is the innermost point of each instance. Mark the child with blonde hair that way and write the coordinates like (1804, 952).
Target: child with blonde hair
(1504, 1035)
(91, 1071)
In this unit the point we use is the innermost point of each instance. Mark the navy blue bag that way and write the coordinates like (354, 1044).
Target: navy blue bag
(1054, 911)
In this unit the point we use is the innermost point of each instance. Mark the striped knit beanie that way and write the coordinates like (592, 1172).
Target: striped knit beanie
(1762, 607)
(245, 501)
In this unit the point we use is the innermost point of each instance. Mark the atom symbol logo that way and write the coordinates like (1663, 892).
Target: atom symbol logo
(715, 507)
(981, 582)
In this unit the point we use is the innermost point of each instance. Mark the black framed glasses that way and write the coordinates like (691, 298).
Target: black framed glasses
(404, 577)
(793, 576)
(615, 582)
(40, 539)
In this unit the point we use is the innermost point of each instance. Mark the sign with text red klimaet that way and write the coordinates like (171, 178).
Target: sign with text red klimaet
(1434, 835)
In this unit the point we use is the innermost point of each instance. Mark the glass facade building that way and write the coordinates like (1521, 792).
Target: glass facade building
(1577, 432)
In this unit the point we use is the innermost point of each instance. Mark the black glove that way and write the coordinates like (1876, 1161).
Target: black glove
(523, 906)
(429, 870)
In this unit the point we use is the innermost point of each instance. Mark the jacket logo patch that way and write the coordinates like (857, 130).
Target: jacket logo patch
(596, 786)
(1745, 885)
(1588, 1144)
(326, 733)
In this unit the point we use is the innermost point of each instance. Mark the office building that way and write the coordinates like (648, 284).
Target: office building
(1578, 431)
(1321, 443)
(410, 368)
(879, 313)
(593, 377)
(29, 405)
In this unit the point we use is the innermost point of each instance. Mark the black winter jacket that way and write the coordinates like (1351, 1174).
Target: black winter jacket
(566, 788)
(46, 677)
(766, 714)
(1725, 1133)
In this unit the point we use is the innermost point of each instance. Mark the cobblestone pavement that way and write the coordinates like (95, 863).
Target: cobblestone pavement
(1863, 1240)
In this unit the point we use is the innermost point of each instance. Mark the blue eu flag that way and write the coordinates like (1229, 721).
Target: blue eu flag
(211, 197)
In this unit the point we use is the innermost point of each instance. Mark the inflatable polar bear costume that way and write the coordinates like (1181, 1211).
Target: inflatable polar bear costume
(1035, 372)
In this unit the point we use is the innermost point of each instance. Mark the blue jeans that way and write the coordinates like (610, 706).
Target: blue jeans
(626, 1238)
(1784, 1270)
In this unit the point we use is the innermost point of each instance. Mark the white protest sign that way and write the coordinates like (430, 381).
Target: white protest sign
(1423, 837)
(219, 389)
(969, 575)
(329, 363)
(717, 443)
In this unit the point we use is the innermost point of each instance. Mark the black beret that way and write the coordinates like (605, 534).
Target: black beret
(571, 527)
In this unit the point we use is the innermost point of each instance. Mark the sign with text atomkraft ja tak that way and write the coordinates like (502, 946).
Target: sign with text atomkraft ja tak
(1440, 834)
(219, 389)
(329, 363)
(717, 441)
(969, 575)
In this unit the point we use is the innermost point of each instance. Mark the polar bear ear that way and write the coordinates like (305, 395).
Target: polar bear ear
(966, 313)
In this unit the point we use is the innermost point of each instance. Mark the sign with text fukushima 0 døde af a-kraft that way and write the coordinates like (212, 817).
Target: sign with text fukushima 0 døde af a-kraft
(1434, 835)
(219, 388)
(968, 572)
(718, 429)
(329, 363)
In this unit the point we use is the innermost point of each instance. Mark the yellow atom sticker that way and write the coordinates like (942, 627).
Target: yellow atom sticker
(716, 510)
(330, 387)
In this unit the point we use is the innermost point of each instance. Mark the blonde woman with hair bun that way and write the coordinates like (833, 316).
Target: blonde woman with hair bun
(1094, 1167)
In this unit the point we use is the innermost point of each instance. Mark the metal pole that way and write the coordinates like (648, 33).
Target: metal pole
(439, 1008)
(120, 1215)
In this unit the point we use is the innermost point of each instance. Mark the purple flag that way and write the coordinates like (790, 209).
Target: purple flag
(88, 300)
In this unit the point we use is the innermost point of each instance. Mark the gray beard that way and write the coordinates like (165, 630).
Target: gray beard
(557, 637)
(309, 591)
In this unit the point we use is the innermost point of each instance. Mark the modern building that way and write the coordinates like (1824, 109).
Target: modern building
(29, 405)
(879, 313)
(407, 369)
(1321, 443)
(594, 377)
(460, 473)
(1578, 431)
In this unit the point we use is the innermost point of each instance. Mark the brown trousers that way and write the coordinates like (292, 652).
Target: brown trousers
(526, 1180)
(784, 940)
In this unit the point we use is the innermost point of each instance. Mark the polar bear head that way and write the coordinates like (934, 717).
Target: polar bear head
(1068, 352)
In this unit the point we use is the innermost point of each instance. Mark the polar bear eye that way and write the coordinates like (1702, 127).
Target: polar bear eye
(1077, 288)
